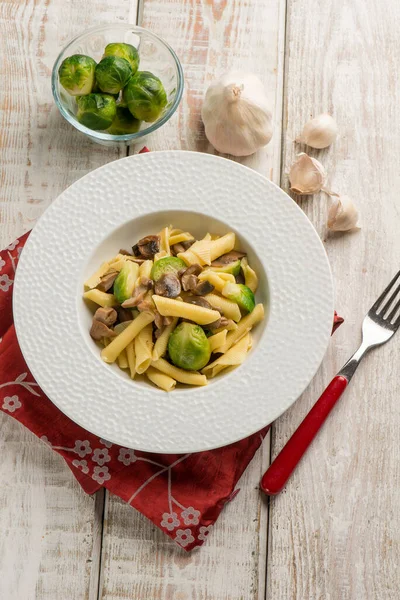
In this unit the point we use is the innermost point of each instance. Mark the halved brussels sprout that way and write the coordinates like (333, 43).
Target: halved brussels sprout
(112, 74)
(76, 74)
(145, 96)
(189, 347)
(233, 268)
(241, 294)
(169, 264)
(126, 51)
(96, 111)
(125, 282)
(124, 122)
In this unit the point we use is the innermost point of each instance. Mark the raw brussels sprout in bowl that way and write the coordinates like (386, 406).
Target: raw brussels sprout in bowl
(117, 84)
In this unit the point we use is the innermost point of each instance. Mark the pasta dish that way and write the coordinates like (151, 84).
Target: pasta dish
(175, 309)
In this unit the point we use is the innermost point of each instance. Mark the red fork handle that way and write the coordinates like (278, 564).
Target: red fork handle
(287, 460)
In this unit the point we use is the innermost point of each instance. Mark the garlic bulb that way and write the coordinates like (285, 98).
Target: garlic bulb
(342, 215)
(319, 132)
(307, 175)
(236, 115)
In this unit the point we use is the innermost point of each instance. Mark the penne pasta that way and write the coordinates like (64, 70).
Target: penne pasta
(164, 241)
(160, 347)
(188, 377)
(123, 360)
(243, 327)
(144, 349)
(229, 309)
(217, 340)
(165, 382)
(250, 276)
(167, 307)
(101, 298)
(130, 354)
(145, 269)
(231, 326)
(214, 278)
(222, 245)
(234, 357)
(227, 277)
(119, 343)
(184, 236)
(174, 231)
(94, 280)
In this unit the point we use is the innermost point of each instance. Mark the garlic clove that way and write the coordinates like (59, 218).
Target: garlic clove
(342, 215)
(319, 132)
(307, 175)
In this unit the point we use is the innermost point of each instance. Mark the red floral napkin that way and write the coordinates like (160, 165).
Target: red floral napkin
(181, 494)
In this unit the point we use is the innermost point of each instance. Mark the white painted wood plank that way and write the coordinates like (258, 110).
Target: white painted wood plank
(335, 531)
(138, 560)
(50, 530)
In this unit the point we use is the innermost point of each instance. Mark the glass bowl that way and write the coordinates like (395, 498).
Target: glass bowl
(155, 56)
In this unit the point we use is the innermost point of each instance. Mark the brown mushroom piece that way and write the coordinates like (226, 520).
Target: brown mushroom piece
(108, 316)
(124, 314)
(203, 288)
(158, 320)
(222, 322)
(147, 247)
(125, 252)
(168, 285)
(100, 330)
(189, 277)
(228, 258)
(139, 293)
(107, 281)
(181, 247)
(199, 301)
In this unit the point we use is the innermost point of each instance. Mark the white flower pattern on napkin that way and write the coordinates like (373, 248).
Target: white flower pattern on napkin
(13, 245)
(170, 521)
(82, 448)
(127, 456)
(11, 403)
(5, 283)
(204, 532)
(101, 456)
(2, 263)
(184, 537)
(101, 474)
(81, 465)
(105, 443)
(190, 516)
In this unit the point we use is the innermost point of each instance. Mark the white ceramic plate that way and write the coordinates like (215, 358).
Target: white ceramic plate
(112, 208)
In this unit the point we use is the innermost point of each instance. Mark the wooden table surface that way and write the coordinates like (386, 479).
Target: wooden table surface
(334, 533)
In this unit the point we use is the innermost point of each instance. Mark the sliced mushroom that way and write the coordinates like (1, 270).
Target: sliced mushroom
(199, 301)
(189, 277)
(222, 322)
(228, 258)
(181, 247)
(168, 285)
(100, 330)
(139, 293)
(147, 247)
(158, 320)
(124, 314)
(240, 278)
(125, 252)
(203, 288)
(107, 281)
(108, 316)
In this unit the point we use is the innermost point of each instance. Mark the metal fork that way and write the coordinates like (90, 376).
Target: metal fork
(379, 325)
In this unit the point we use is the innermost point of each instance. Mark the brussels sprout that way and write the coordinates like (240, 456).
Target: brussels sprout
(145, 96)
(169, 264)
(189, 347)
(126, 51)
(76, 74)
(124, 122)
(241, 294)
(96, 90)
(233, 268)
(112, 74)
(96, 111)
(125, 282)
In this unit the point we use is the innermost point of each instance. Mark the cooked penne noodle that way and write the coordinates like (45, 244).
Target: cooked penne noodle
(145, 269)
(165, 382)
(214, 278)
(174, 231)
(164, 241)
(227, 277)
(234, 357)
(96, 277)
(243, 327)
(231, 326)
(189, 257)
(222, 245)
(101, 298)
(119, 343)
(130, 353)
(178, 238)
(188, 377)
(123, 360)
(250, 276)
(144, 349)
(229, 309)
(160, 347)
(167, 307)
(217, 340)
(119, 261)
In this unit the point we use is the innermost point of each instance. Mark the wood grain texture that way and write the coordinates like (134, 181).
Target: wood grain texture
(138, 560)
(50, 530)
(335, 531)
